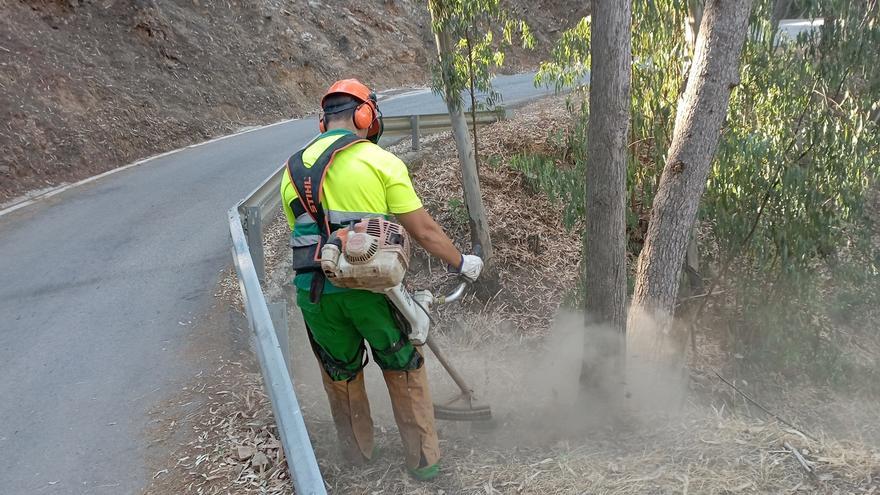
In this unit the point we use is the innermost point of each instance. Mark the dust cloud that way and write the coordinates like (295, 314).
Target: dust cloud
(534, 386)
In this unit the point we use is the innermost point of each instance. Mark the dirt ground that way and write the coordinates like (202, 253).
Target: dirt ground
(521, 353)
(88, 85)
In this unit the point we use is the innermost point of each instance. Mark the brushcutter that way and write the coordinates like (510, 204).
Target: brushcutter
(373, 255)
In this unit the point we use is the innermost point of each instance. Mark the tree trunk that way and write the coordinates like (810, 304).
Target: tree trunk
(780, 10)
(470, 181)
(692, 258)
(473, 94)
(605, 237)
(714, 73)
(695, 16)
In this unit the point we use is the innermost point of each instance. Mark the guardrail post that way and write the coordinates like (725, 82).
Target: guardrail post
(414, 123)
(278, 313)
(254, 230)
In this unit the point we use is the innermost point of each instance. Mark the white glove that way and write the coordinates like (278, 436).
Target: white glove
(470, 267)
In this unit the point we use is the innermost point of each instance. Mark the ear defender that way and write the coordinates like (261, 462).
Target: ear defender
(364, 115)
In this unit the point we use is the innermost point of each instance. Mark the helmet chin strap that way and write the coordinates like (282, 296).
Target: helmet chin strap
(375, 138)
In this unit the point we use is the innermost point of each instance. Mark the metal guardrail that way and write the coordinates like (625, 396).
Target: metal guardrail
(301, 461)
(246, 229)
(416, 124)
(436, 121)
(260, 204)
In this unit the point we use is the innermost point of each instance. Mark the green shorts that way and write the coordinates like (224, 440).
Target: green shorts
(340, 323)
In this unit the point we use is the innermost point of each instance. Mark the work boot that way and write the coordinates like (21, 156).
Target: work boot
(414, 414)
(426, 473)
(351, 414)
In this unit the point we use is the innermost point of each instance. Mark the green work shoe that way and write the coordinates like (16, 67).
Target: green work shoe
(426, 473)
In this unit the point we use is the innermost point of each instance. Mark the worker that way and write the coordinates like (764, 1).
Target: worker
(341, 177)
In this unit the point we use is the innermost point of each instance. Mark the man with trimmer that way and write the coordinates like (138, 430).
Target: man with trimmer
(331, 186)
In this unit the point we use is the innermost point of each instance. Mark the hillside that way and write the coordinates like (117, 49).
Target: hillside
(89, 85)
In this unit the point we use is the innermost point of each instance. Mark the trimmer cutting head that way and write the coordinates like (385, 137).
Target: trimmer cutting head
(467, 410)
(472, 413)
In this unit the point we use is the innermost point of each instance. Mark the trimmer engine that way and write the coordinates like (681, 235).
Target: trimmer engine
(373, 255)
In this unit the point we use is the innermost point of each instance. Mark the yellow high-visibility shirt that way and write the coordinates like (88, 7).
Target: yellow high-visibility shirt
(363, 178)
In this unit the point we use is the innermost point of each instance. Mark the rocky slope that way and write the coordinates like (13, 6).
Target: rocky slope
(87, 85)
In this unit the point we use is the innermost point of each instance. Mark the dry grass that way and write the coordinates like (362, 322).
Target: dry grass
(235, 450)
(275, 252)
(234, 446)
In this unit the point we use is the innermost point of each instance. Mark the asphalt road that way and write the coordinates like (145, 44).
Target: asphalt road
(101, 285)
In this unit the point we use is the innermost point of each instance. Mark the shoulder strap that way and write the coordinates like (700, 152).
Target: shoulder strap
(309, 181)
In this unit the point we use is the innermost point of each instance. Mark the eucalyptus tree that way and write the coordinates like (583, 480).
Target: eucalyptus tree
(714, 73)
(471, 37)
(605, 183)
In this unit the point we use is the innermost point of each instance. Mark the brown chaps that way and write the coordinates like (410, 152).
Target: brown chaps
(413, 412)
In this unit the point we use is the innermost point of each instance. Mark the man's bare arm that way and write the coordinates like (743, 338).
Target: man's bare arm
(425, 231)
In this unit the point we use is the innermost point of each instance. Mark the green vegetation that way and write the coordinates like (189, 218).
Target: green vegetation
(459, 211)
(790, 183)
(481, 31)
(559, 176)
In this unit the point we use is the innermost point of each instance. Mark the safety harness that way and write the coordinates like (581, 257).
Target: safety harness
(309, 185)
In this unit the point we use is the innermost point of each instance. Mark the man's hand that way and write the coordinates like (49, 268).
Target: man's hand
(470, 267)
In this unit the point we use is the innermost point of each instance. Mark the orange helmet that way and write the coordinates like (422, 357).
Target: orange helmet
(366, 110)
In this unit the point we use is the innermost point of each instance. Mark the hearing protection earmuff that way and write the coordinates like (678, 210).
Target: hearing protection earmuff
(366, 113)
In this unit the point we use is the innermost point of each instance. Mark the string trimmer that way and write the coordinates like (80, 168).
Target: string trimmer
(468, 410)
(373, 255)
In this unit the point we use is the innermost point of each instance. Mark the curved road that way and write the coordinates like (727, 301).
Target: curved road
(100, 285)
